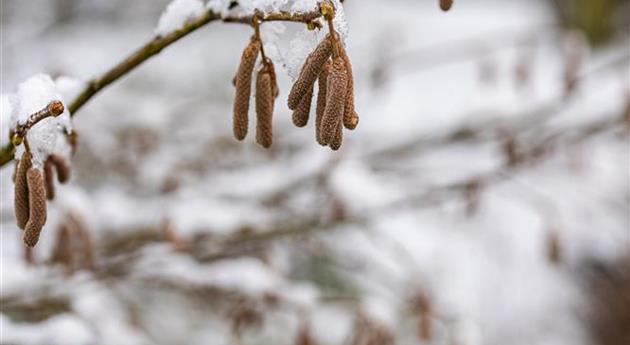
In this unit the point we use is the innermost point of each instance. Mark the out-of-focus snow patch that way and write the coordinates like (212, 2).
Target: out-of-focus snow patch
(8, 104)
(114, 327)
(247, 275)
(64, 329)
(381, 310)
(177, 13)
(69, 87)
(196, 213)
(330, 324)
(301, 294)
(355, 184)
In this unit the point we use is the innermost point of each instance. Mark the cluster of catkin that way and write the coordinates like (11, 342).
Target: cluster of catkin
(330, 66)
(266, 94)
(33, 186)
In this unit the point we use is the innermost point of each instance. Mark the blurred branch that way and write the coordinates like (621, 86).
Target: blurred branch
(155, 46)
(532, 154)
(500, 127)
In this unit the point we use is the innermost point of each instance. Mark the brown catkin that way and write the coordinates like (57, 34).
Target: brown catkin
(446, 5)
(274, 81)
(310, 71)
(62, 166)
(302, 112)
(335, 143)
(243, 89)
(21, 191)
(264, 108)
(37, 206)
(335, 100)
(350, 116)
(49, 177)
(321, 102)
(62, 252)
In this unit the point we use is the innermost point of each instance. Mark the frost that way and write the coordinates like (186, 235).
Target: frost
(33, 95)
(177, 14)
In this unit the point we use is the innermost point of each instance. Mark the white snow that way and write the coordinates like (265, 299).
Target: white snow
(33, 95)
(177, 13)
(61, 329)
(479, 270)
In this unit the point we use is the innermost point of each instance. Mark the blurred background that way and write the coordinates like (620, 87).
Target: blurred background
(483, 199)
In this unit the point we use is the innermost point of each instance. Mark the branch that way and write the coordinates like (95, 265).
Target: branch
(155, 46)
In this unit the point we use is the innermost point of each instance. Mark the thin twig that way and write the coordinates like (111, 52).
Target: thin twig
(155, 46)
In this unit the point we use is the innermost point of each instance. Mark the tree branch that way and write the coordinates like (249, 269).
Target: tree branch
(155, 46)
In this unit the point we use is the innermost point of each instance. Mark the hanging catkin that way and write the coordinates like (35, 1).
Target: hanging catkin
(264, 108)
(49, 177)
(310, 71)
(446, 5)
(243, 88)
(321, 102)
(335, 100)
(302, 112)
(62, 166)
(37, 206)
(350, 116)
(335, 143)
(62, 251)
(21, 190)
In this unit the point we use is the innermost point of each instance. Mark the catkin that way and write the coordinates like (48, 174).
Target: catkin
(335, 143)
(62, 166)
(350, 116)
(302, 112)
(21, 191)
(321, 102)
(335, 100)
(243, 88)
(37, 206)
(49, 177)
(310, 71)
(62, 252)
(274, 81)
(445, 5)
(264, 108)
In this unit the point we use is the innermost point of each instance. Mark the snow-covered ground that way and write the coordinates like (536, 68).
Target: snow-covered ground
(300, 236)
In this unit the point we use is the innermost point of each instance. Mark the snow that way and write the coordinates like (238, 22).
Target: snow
(7, 119)
(58, 330)
(169, 122)
(33, 95)
(177, 14)
(69, 87)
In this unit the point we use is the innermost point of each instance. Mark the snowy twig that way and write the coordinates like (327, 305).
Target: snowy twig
(156, 45)
(54, 109)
